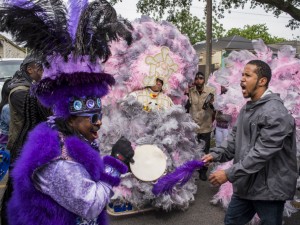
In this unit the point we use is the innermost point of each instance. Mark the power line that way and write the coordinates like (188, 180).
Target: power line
(257, 14)
(296, 43)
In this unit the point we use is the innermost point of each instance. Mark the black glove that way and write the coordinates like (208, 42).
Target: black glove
(123, 151)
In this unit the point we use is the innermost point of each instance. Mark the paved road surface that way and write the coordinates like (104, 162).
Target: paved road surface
(201, 212)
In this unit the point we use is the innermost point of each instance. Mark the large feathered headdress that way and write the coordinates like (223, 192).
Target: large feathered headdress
(72, 40)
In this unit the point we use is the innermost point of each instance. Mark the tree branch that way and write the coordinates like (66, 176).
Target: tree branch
(285, 6)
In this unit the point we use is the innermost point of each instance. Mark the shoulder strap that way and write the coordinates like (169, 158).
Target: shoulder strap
(22, 87)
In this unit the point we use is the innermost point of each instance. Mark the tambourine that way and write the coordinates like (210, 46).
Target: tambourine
(149, 164)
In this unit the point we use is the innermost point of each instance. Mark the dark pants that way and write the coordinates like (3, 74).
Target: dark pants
(6, 197)
(205, 137)
(241, 211)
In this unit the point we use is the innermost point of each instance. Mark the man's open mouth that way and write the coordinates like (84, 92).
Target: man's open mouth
(243, 86)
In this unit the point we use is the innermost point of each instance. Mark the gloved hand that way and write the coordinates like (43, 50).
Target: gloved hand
(123, 151)
(113, 168)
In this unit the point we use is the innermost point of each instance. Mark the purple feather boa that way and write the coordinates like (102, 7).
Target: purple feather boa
(180, 176)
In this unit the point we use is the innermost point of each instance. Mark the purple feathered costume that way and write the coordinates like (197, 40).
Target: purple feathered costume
(28, 205)
(71, 39)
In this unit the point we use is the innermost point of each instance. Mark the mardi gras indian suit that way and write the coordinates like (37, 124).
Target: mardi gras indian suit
(161, 67)
(150, 118)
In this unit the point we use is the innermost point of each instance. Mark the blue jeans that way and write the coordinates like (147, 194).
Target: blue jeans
(241, 211)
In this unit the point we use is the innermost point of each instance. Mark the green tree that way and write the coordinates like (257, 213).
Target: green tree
(159, 8)
(291, 7)
(193, 27)
(254, 32)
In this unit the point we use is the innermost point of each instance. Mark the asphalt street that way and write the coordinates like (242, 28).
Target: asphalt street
(201, 212)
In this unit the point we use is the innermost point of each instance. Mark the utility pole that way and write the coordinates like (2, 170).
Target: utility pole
(208, 38)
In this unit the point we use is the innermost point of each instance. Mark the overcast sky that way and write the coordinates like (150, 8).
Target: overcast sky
(237, 18)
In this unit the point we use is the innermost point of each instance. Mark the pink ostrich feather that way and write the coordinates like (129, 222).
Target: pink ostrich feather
(122, 191)
(127, 63)
(224, 194)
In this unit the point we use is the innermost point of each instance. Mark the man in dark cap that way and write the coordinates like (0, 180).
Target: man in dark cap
(25, 113)
(201, 109)
(31, 71)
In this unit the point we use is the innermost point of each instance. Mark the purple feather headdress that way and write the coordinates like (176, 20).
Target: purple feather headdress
(72, 40)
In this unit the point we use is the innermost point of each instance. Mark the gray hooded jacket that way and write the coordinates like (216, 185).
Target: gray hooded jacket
(263, 145)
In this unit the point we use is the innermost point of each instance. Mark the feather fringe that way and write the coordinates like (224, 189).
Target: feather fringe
(128, 119)
(180, 176)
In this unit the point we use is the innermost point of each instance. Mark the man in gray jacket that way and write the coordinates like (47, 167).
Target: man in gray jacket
(263, 146)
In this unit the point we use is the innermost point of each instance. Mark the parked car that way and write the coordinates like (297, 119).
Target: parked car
(8, 67)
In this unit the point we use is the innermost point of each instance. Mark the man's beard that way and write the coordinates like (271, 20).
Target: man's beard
(250, 95)
(199, 86)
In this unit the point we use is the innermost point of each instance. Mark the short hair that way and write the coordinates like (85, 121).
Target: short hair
(198, 74)
(262, 70)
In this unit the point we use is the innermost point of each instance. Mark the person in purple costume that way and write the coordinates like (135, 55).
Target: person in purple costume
(60, 177)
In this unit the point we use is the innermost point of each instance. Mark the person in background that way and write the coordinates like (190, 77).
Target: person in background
(152, 97)
(30, 72)
(25, 113)
(5, 115)
(4, 126)
(263, 146)
(222, 123)
(202, 111)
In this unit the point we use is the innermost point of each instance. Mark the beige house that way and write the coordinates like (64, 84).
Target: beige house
(220, 49)
(8, 49)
